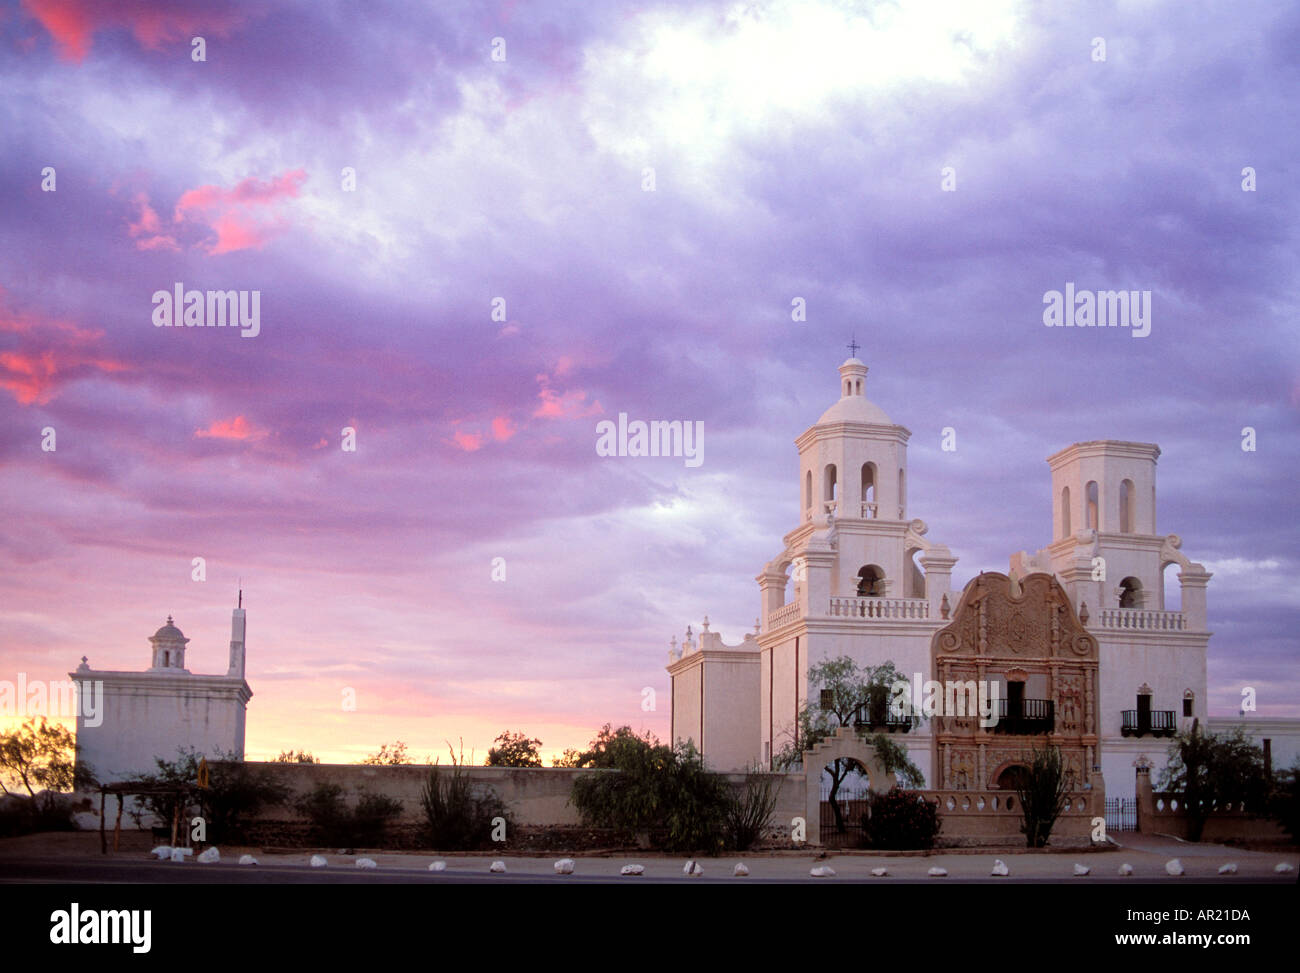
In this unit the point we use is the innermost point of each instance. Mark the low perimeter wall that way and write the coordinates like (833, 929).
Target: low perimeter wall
(978, 818)
(1160, 813)
(536, 796)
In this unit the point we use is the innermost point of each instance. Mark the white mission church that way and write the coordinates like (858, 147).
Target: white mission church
(1099, 668)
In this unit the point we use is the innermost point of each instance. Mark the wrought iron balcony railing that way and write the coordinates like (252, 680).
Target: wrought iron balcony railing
(1157, 722)
(1028, 716)
(880, 718)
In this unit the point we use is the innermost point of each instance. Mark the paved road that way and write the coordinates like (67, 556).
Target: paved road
(115, 871)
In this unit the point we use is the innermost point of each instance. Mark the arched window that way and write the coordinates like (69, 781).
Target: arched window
(1065, 512)
(871, 582)
(868, 489)
(1171, 588)
(807, 490)
(1127, 506)
(1130, 593)
(831, 485)
(1092, 505)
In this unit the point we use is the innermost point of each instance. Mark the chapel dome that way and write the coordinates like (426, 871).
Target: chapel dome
(853, 405)
(169, 631)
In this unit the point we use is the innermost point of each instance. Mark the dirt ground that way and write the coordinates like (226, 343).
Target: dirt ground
(1146, 853)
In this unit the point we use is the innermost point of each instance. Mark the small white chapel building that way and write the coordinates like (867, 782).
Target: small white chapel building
(155, 712)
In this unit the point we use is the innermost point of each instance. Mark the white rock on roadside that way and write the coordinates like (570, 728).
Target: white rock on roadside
(318, 861)
(1174, 867)
(1228, 869)
(937, 872)
(162, 852)
(692, 867)
(632, 870)
(741, 870)
(822, 871)
(247, 860)
(564, 866)
(1000, 868)
(437, 866)
(1126, 869)
(210, 857)
(1283, 867)
(1080, 870)
(497, 867)
(180, 854)
(367, 863)
(880, 872)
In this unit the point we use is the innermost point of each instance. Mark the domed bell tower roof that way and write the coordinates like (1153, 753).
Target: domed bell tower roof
(854, 406)
(169, 631)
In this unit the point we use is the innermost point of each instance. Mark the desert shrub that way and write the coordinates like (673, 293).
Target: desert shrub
(21, 815)
(1041, 789)
(459, 818)
(235, 793)
(900, 821)
(749, 811)
(1208, 770)
(1284, 802)
(334, 823)
(661, 790)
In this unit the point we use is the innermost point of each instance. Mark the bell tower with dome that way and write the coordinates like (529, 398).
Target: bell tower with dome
(856, 577)
(128, 719)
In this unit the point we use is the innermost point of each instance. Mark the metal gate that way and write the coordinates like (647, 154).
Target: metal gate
(852, 802)
(1121, 814)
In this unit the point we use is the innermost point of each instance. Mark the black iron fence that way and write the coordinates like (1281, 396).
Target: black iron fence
(1121, 814)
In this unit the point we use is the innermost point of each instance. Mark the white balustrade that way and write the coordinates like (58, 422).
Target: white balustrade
(782, 616)
(887, 609)
(1142, 620)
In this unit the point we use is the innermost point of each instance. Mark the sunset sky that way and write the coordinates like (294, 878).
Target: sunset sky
(797, 151)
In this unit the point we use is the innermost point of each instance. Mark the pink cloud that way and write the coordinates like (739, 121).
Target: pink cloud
(572, 404)
(468, 441)
(146, 231)
(238, 428)
(50, 353)
(245, 217)
(74, 23)
(502, 429)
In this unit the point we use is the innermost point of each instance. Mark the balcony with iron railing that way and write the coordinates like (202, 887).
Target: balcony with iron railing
(1156, 722)
(1025, 716)
(880, 717)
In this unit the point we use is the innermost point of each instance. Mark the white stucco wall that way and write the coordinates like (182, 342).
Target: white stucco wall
(146, 715)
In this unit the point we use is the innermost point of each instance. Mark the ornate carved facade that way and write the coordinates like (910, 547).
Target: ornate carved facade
(1025, 637)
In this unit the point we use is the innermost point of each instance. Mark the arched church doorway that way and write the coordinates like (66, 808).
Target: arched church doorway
(1011, 776)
